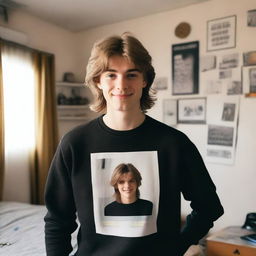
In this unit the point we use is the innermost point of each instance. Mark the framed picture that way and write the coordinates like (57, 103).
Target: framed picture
(249, 79)
(185, 68)
(221, 33)
(192, 111)
(249, 58)
(251, 18)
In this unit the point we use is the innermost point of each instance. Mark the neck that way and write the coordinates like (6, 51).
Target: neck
(123, 121)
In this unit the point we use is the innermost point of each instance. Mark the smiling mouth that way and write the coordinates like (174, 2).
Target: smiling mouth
(122, 95)
(128, 191)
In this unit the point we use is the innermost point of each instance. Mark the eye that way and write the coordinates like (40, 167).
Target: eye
(132, 75)
(120, 182)
(110, 75)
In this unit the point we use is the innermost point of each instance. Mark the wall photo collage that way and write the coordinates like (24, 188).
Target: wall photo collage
(224, 77)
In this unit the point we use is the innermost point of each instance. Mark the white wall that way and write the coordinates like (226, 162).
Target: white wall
(47, 37)
(235, 183)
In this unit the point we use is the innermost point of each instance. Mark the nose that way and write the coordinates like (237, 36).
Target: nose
(122, 83)
(126, 185)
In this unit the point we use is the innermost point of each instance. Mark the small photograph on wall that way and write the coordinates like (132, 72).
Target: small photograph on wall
(251, 18)
(234, 88)
(229, 110)
(207, 63)
(185, 68)
(160, 83)
(249, 79)
(252, 79)
(221, 33)
(220, 135)
(229, 61)
(192, 111)
(249, 58)
(225, 74)
(170, 112)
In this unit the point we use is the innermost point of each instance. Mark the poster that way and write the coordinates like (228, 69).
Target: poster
(222, 115)
(185, 68)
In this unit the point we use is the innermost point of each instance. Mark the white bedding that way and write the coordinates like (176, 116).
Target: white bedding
(22, 229)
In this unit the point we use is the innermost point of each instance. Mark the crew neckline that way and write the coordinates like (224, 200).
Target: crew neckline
(122, 132)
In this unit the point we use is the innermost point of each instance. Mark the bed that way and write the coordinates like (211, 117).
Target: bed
(22, 231)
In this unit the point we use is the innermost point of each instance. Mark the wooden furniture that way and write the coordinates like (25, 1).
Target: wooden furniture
(227, 242)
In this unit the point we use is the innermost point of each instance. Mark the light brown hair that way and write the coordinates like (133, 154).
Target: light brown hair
(126, 46)
(118, 172)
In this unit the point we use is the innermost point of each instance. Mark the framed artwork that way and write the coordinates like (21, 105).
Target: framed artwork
(185, 68)
(192, 111)
(249, 58)
(249, 79)
(251, 18)
(221, 33)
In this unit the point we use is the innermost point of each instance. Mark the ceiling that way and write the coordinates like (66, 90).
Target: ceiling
(78, 15)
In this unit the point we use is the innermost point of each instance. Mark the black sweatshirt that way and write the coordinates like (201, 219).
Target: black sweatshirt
(78, 186)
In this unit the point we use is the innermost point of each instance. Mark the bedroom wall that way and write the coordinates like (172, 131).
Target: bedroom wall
(235, 183)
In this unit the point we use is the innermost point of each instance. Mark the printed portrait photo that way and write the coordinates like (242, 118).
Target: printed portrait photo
(125, 193)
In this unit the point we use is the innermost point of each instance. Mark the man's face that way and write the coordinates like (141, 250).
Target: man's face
(122, 85)
(127, 187)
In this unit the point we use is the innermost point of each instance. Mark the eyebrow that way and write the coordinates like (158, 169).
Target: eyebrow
(128, 71)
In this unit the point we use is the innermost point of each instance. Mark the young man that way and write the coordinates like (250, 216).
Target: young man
(126, 180)
(120, 75)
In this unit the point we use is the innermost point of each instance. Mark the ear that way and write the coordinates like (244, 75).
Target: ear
(144, 83)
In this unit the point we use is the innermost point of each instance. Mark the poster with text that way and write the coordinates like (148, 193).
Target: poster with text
(185, 68)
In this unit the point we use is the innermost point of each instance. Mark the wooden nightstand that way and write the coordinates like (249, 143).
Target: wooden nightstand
(227, 242)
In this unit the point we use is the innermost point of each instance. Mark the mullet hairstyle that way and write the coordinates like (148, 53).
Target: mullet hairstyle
(118, 172)
(124, 46)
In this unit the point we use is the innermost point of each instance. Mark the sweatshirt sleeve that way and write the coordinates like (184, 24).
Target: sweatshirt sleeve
(197, 187)
(60, 220)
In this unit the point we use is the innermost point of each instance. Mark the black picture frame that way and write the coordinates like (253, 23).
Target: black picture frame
(191, 111)
(221, 33)
(185, 68)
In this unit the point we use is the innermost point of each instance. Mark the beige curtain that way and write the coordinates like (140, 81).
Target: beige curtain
(46, 124)
(1, 129)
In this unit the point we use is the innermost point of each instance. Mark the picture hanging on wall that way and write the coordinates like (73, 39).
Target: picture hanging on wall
(251, 18)
(221, 33)
(185, 68)
(192, 111)
(249, 79)
(249, 58)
